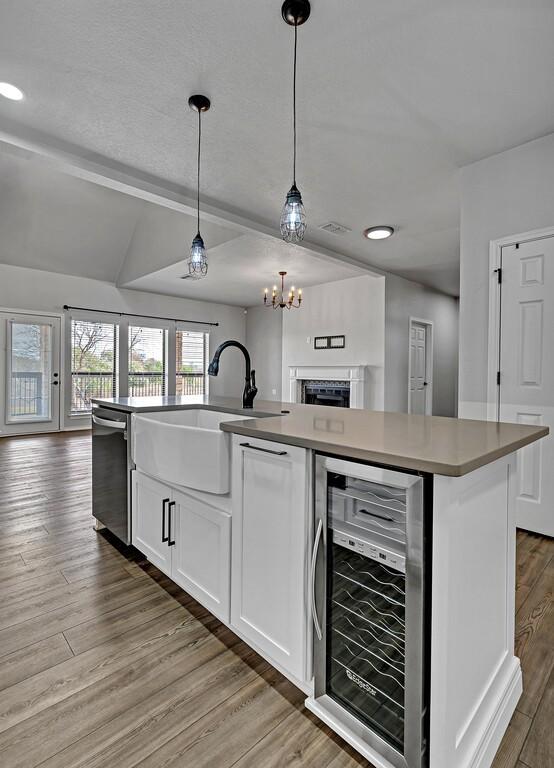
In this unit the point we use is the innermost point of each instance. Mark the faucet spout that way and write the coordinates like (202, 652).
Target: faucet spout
(250, 389)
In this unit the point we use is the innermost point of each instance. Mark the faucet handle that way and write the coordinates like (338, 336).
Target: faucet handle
(253, 379)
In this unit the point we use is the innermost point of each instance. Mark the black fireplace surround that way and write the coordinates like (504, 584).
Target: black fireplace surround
(335, 393)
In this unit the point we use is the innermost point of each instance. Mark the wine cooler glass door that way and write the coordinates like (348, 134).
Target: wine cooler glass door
(366, 640)
(368, 607)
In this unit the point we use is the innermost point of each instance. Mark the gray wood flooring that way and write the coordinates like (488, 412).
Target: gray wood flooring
(104, 662)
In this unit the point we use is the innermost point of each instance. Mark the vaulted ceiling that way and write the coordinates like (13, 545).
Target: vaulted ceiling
(393, 98)
(54, 221)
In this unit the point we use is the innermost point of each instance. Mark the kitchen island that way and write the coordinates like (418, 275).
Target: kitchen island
(255, 553)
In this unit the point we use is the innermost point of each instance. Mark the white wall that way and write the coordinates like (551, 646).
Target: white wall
(32, 289)
(405, 299)
(354, 307)
(264, 341)
(507, 194)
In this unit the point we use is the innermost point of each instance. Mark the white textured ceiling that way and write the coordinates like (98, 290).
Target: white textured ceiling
(393, 98)
(55, 222)
(241, 269)
(49, 220)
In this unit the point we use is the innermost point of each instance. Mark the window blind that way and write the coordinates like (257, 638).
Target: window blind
(93, 363)
(190, 361)
(147, 361)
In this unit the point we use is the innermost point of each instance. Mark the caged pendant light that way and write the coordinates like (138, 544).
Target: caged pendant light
(198, 259)
(293, 217)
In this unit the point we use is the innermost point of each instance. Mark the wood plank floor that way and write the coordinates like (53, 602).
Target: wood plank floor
(104, 662)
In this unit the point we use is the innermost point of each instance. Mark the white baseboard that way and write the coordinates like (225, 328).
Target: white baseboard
(498, 723)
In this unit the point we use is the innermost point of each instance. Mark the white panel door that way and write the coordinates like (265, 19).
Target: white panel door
(30, 373)
(201, 558)
(269, 604)
(418, 368)
(527, 372)
(150, 524)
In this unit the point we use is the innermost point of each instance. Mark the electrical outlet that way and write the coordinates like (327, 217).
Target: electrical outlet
(308, 339)
(273, 391)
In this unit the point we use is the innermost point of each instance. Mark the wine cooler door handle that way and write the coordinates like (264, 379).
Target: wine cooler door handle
(315, 617)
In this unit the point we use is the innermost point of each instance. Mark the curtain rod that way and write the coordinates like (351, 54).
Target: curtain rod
(131, 314)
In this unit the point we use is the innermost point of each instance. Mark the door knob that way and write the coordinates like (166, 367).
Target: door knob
(425, 383)
(55, 383)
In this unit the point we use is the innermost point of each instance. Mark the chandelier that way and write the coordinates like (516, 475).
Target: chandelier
(280, 299)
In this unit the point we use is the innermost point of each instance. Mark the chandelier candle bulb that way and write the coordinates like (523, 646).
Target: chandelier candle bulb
(282, 299)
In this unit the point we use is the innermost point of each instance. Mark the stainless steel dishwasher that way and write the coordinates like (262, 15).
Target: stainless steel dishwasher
(111, 470)
(368, 608)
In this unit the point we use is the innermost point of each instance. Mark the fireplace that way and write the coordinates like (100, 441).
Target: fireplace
(317, 392)
(347, 385)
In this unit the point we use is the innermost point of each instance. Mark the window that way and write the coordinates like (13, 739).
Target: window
(93, 363)
(109, 356)
(190, 362)
(29, 371)
(147, 361)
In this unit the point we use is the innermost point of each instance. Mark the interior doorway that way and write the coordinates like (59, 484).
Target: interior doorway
(523, 319)
(420, 373)
(30, 380)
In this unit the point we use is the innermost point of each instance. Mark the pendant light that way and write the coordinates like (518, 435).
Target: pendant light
(293, 218)
(198, 259)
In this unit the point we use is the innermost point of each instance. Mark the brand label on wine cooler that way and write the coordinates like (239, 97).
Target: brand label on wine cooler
(360, 683)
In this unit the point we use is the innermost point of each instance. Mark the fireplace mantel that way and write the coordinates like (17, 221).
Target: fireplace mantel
(355, 374)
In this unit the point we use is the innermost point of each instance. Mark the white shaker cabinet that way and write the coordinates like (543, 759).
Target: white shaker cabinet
(187, 539)
(150, 510)
(270, 551)
(201, 556)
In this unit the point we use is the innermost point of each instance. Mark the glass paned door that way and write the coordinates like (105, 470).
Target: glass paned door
(31, 379)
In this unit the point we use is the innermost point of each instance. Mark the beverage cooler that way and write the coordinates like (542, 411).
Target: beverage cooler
(368, 609)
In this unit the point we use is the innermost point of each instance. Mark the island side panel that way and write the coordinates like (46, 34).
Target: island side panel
(475, 677)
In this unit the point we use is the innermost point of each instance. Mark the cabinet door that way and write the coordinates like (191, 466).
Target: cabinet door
(201, 562)
(150, 501)
(269, 551)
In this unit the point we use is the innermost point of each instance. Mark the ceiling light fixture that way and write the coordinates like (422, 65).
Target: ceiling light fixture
(279, 299)
(293, 217)
(378, 233)
(198, 259)
(11, 92)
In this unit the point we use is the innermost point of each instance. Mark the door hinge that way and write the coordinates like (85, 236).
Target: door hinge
(498, 378)
(499, 274)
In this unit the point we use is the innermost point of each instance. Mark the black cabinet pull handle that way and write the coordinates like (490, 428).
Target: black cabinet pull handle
(263, 450)
(164, 536)
(170, 543)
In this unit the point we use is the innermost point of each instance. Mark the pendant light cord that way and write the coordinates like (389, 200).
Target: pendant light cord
(294, 107)
(198, 172)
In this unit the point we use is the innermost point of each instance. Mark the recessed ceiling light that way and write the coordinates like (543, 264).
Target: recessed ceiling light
(10, 91)
(378, 233)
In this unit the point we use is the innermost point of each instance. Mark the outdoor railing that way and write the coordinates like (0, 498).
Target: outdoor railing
(87, 385)
(190, 384)
(26, 393)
